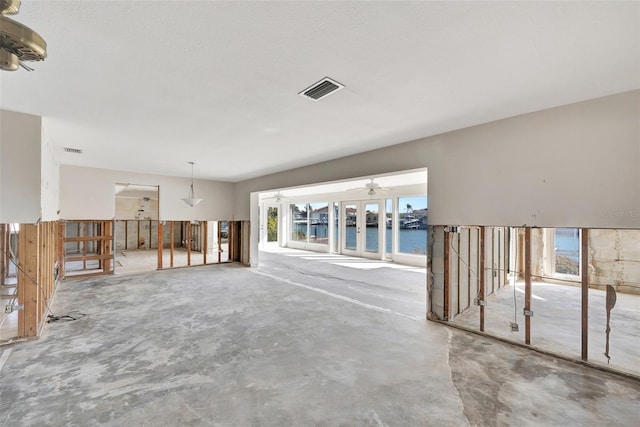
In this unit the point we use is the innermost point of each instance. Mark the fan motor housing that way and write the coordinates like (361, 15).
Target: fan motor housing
(18, 42)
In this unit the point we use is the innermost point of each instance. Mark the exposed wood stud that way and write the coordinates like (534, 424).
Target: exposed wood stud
(447, 274)
(527, 284)
(584, 268)
(205, 243)
(160, 242)
(481, 276)
(171, 243)
(188, 243)
(28, 280)
(219, 241)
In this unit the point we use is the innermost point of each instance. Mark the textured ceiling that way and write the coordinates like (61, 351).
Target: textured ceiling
(147, 86)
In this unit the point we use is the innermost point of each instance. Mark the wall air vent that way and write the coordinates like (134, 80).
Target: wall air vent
(73, 150)
(321, 89)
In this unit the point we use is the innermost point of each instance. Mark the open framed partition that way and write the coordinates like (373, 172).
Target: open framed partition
(571, 292)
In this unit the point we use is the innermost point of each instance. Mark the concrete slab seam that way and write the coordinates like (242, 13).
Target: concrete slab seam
(340, 297)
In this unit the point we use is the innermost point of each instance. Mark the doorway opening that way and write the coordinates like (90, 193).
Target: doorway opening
(136, 227)
(381, 217)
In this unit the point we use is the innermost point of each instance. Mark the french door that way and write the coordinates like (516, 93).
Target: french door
(362, 228)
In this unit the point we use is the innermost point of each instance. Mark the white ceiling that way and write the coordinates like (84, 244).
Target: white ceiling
(147, 86)
(389, 184)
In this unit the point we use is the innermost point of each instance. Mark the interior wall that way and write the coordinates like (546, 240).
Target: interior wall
(90, 193)
(570, 166)
(50, 182)
(20, 167)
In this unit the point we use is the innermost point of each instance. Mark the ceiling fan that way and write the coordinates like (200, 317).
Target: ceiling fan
(18, 43)
(372, 188)
(277, 197)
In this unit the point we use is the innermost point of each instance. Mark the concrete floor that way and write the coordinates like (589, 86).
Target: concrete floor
(297, 342)
(8, 322)
(556, 324)
(143, 260)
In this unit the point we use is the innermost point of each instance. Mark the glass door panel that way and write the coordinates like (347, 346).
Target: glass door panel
(372, 235)
(351, 232)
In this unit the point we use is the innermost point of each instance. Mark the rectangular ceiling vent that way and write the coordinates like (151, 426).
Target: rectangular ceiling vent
(73, 150)
(321, 89)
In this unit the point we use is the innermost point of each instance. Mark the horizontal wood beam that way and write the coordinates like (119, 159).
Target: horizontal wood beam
(86, 238)
(89, 258)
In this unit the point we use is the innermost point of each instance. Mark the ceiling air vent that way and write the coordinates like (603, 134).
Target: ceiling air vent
(73, 150)
(321, 89)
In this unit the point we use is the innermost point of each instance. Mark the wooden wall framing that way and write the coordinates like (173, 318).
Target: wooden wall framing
(37, 274)
(520, 240)
(93, 241)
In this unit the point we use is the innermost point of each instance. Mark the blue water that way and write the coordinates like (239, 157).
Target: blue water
(410, 241)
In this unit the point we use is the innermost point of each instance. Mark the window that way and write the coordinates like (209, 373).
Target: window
(412, 224)
(310, 223)
(319, 223)
(567, 251)
(272, 224)
(299, 217)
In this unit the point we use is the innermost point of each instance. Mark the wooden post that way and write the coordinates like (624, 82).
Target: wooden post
(447, 273)
(126, 234)
(189, 243)
(150, 234)
(171, 244)
(108, 244)
(584, 267)
(28, 280)
(138, 236)
(527, 285)
(83, 228)
(160, 241)
(481, 277)
(61, 248)
(205, 230)
(219, 242)
(3, 250)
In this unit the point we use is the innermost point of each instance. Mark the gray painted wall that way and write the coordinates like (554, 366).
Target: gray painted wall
(575, 165)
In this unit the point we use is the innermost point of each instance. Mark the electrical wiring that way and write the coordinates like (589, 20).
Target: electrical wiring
(465, 263)
(515, 304)
(12, 258)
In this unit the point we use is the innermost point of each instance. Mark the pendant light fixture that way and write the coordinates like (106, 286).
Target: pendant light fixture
(191, 200)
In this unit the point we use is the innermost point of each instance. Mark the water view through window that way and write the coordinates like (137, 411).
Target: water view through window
(567, 250)
(412, 219)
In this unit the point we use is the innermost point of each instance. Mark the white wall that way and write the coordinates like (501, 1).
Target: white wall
(576, 165)
(50, 182)
(88, 193)
(20, 147)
